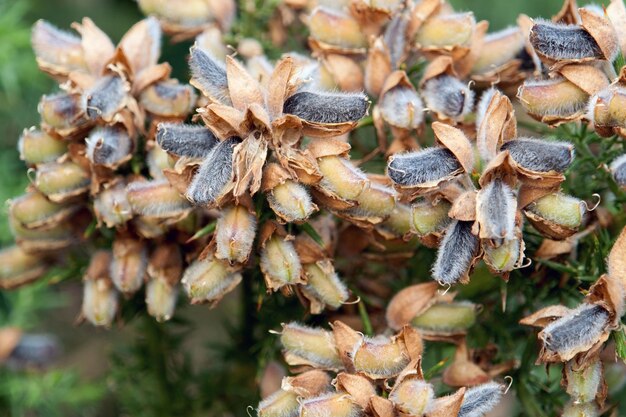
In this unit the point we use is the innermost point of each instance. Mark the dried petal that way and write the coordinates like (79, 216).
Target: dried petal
(58, 52)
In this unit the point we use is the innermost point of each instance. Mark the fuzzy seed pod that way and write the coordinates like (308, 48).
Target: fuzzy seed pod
(375, 201)
(161, 297)
(498, 49)
(606, 109)
(234, 234)
(556, 215)
(496, 207)
(158, 160)
(280, 263)
(109, 146)
(539, 155)
(330, 404)
(341, 177)
(618, 168)
(60, 111)
(583, 385)
(129, 264)
(452, 317)
(209, 75)
(209, 279)
(553, 99)
(379, 357)
(57, 51)
(506, 257)
(402, 107)
(18, 267)
(100, 300)
(456, 254)
(412, 396)
(327, 108)
(33, 210)
(481, 399)
(427, 218)
(37, 147)
(50, 238)
(105, 98)
(112, 207)
(309, 346)
(573, 409)
(168, 99)
(575, 332)
(561, 42)
(336, 28)
(193, 141)
(155, 199)
(210, 182)
(448, 97)
(399, 221)
(291, 201)
(279, 404)
(189, 16)
(323, 287)
(60, 181)
(446, 30)
(424, 168)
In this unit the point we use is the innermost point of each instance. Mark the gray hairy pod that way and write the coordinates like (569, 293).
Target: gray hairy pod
(495, 211)
(447, 96)
(193, 141)
(540, 155)
(424, 168)
(456, 253)
(318, 107)
(481, 399)
(209, 75)
(563, 42)
(618, 168)
(105, 98)
(109, 146)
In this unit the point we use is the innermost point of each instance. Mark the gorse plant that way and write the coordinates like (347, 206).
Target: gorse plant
(381, 177)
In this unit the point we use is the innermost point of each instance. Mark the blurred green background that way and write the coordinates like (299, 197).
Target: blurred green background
(99, 372)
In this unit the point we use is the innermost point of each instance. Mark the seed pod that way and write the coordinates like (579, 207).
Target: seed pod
(323, 287)
(375, 201)
(499, 48)
(481, 399)
(309, 346)
(168, 99)
(279, 404)
(575, 332)
(100, 300)
(425, 168)
(573, 409)
(156, 199)
(412, 396)
(234, 234)
(327, 108)
(341, 177)
(448, 97)
(33, 210)
(606, 109)
(105, 98)
(618, 168)
(111, 205)
(336, 28)
(380, 357)
(18, 267)
(60, 181)
(540, 155)
(34, 350)
(109, 146)
(161, 297)
(330, 404)
(209, 279)
(158, 160)
(446, 30)
(210, 182)
(496, 207)
(280, 263)
(49, 238)
(399, 221)
(506, 257)
(456, 254)
(583, 385)
(447, 318)
(58, 52)
(291, 201)
(60, 111)
(37, 147)
(194, 141)
(402, 107)
(428, 218)
(128, 267)
(209, 75)
(552, 100)
(556, 215)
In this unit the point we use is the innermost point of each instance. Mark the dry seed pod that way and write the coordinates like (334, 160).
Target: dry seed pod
(161, 297)
(618, 169)
(402, 107)
(105, 98)
(168, 99)
(448, 97)
(583, 385)
(446, 30)
(447, 318)
(193, 141)
(185, 18)
(57, 52)
(425, 168)
(553, 100)
(50, 238)
(606, 109)
(279, 404)
(209, 279)
(291, 201)
(234, 234)
(556, 215)
(208, 75)
(280, 263)
(456, 254)
(156, 199)
(577, 331)
(100, 300)
(341, 177)
(499, 48)
(111, 205)
(376, 201)
(327, 108)
(336, 28)
(33, 210)
(309, 346)
(18, 267)
(496, 207)
(330, 404)
(60, 181)
(480, 400)
(129, 264)
(37, 147)
(427, 218)
(412, 396)
(61, 111)
(109, 146)
(573, 409)
(323, 287)
(541, 156)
